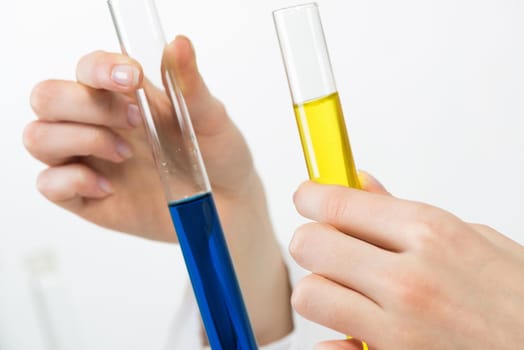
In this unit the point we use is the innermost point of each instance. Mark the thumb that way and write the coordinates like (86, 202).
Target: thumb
(208, 115)
(371, 184)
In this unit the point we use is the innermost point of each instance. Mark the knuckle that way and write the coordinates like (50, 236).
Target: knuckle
(413, 291)
(483, 228)
(426, 232)
(423, 236)
(436, 229)
(96, 139)
(107, 101)
(108, 104)
(407, 291)
(335, 207)
(79, 178)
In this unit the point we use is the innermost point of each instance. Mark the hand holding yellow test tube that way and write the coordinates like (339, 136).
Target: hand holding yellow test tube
(316, 103)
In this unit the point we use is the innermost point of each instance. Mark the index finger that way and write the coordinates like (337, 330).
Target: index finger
(387, 222)
(109, 71)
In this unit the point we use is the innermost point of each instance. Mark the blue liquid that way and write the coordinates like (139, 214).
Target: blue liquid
(211, 272)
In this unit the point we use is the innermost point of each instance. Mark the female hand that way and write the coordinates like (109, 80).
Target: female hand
(100, 167)
(405, 275)
(90, 133)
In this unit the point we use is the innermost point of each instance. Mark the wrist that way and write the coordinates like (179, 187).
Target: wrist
(258, 260)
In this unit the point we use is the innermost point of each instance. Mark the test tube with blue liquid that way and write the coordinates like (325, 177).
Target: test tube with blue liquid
(184, 178)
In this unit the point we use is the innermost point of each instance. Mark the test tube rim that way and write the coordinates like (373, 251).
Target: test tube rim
(294, 8)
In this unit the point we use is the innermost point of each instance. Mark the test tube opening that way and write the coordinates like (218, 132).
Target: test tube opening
(316, 102)
(304, 51)
(162, 105)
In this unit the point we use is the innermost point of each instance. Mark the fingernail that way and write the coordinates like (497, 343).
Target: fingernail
(367, 181)
(363, 179)
(125, 75)
(134, 118)
(124, 150)
(104, 185)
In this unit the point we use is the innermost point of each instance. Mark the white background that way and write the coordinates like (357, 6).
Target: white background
(433, 92)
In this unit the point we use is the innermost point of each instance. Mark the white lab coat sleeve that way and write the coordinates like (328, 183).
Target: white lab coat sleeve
(186, 331)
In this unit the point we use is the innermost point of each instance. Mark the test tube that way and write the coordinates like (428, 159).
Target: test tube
(51, 302)
(183, 176)
(316, 102)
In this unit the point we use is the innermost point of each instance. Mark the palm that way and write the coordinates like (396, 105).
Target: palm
(138, 205)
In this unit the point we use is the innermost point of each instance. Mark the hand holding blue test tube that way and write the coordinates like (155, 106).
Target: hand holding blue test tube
(184, 178)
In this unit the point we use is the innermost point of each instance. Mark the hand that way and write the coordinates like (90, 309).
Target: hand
(405, 275)
(91, 135)
(101, 168)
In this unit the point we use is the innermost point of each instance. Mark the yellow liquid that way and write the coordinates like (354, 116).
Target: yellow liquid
(325, 142)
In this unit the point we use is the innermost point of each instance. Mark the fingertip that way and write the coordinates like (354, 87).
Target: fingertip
(109, 71)
(105, 185)
(41, 183)
(370, 184)
(185, 43)
(305, 293)
(208, 114)
(29, 136)
(297, 195)
(295, 244)
(42, 95)
(63, 183)
(184, 52)
(51, 186)
(300, 294)
(179, 57)
(38, 98)
(305, 197)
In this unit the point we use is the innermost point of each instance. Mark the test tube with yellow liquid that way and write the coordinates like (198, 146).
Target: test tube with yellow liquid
(317, 107)
(316, 102)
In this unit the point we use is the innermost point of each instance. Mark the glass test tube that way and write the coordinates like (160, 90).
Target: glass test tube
(183, 177)
(317, 107)
(51, 302)
(316, 103)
